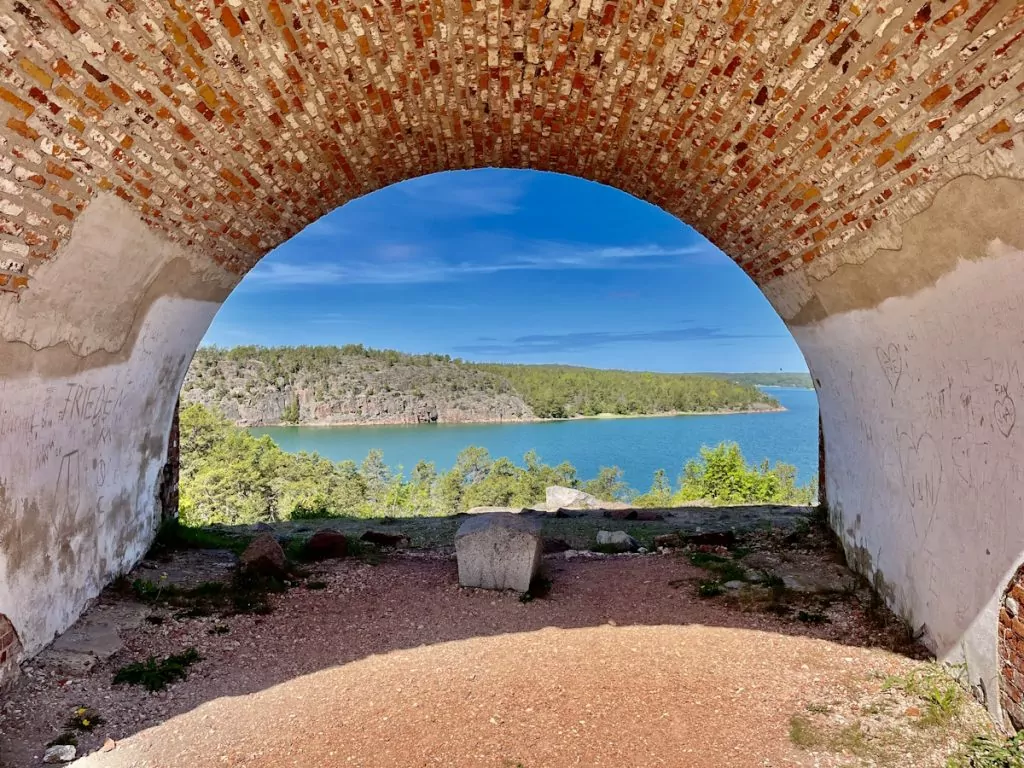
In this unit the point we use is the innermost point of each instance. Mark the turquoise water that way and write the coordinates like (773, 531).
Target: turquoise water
(638, 446)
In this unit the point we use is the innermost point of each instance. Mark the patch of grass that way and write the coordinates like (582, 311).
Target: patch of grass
(243, 594)
(84, 719)
(942, 696)
(706, 559)
(155, 675)
(709, 588)
(801, 530)
(775, 583)
(174, 536)
(368, 553)
(803, 733)
(725, 568)
(989, 751)
(295, 549)
(848, 738)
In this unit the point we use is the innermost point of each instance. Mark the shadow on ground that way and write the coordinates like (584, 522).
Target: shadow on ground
(768, 584)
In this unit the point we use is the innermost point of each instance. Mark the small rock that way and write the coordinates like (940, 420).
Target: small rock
(486, 510)
(552, 545)
(557, 496)
(649, 515)
(735, 584)
(621, 514)
(382, 539)
(570, 554)
(1012, 606)
(326, 544)
(108, 745)
(264, 557)
(912, 712)
(714, 539)
(60, 753)
(763, 561)
(667, 540)
(619, 540)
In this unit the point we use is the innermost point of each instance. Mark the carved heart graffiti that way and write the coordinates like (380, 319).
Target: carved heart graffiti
(1004, 413)
(892, 364)
(921, 467)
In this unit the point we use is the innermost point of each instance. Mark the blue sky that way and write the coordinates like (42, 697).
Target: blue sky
(511, 266)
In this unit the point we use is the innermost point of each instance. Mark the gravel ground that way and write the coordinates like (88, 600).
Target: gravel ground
(396, 665)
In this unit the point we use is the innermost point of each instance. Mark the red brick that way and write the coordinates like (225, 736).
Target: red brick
(936, 97)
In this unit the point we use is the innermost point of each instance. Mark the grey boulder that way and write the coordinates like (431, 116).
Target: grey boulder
(619, 540)
(498, 550)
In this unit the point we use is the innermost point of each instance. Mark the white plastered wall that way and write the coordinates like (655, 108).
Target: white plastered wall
(91, 360)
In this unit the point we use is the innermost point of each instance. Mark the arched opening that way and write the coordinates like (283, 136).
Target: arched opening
(864, 169)
(442, 300)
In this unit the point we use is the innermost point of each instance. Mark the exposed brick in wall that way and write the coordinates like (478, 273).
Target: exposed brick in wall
(782, 130)
(10, 648)
(1011, 651)
(167, 491)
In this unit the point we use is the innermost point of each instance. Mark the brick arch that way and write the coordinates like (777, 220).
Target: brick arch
(1011, 651)
(863, 163)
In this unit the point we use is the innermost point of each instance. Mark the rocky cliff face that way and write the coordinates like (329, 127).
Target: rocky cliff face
(352, 390)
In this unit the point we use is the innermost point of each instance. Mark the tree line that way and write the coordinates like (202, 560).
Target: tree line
(326, 374)
(230, 476)
(562, 391)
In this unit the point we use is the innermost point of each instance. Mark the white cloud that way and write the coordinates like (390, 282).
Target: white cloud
(323, 228)
(403, 263)
(466, 193)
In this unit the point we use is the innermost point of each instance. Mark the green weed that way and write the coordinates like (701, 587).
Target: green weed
(989, 751)
(155, 675)
(942, 696)
(84, 719)
(709, 588)
(725, 568)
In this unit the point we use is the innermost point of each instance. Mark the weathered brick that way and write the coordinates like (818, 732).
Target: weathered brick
(292, 135)
(936, 97)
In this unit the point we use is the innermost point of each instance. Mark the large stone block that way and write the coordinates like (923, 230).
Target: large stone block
(498, 551)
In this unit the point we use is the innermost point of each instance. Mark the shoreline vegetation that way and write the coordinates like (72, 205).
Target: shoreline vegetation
(232, 477)
(535, 420)
(353, 385)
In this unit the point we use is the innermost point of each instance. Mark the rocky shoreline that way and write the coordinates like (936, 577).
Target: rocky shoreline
(407, 422)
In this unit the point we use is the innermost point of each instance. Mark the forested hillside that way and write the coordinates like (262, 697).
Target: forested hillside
(797, 380)
(561, 391)
(255, 386)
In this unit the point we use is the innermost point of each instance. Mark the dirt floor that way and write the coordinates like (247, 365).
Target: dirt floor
(762, 653)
